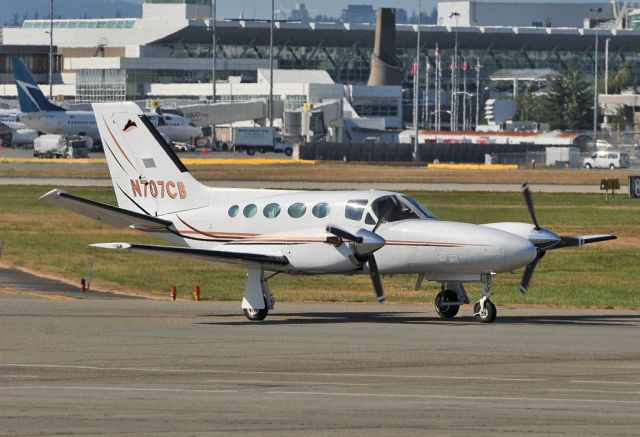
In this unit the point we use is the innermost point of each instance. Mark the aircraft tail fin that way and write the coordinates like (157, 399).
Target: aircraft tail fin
(30, 96)
(148, 177)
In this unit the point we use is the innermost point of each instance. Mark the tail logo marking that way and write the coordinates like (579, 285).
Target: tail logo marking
(131, 125)
(158, 189)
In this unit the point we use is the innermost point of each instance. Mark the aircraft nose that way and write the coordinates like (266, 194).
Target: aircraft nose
(518, 252)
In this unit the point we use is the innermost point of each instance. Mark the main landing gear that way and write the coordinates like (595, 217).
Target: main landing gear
(449, 300)
(453, 295)
(257, 300)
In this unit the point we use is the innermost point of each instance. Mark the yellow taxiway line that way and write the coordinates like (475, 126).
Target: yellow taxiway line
(186, 161)
(470, 166)
(40, 295)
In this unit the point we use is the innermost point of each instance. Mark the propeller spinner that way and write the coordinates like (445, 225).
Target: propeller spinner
(365, 243)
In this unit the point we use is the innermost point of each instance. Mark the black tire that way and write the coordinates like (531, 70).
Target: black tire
(251, 151)
(488, 315)
(587, 166)
(256, 315)
(612, 166)
(288, 151)
(225, 147)
(446, 311)
(261, 149)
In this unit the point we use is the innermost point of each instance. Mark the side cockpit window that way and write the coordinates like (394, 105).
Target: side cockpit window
(355, 209)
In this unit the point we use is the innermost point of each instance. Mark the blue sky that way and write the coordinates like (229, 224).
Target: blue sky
(226, 8)
(261, 8)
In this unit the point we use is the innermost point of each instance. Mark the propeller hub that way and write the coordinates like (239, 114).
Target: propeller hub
(544, 239)
(369, 244)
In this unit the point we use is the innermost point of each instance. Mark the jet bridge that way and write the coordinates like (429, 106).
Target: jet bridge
(207, 114)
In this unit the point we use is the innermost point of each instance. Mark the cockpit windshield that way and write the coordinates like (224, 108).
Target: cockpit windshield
(418, 206)
(396, 208)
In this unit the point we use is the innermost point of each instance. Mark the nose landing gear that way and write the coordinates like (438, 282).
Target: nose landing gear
(484, 310)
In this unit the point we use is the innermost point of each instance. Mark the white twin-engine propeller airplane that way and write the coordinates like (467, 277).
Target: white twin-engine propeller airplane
(300, 232)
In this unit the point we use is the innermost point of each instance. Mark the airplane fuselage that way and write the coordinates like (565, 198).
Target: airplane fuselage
(83, 123)
(294, 223)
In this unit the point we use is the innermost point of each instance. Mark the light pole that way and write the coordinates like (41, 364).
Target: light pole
(270, 110)
(595, 78)
(427, 71)
(213, 51)
(464, 94)
(454, 78)
(606, 65)
(477, 92)
(438, 79)
(51, 51)
(416, 90)
(606, 75)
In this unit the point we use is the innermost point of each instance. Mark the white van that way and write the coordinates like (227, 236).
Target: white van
(604, 159)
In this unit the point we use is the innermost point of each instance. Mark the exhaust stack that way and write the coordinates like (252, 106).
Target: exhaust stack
(385, 68)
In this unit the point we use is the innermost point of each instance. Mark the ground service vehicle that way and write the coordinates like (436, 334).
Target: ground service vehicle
(59, 146)
(259, 139)
(605, 159)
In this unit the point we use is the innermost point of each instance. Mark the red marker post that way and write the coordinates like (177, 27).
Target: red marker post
(174, 293)
(196, 293)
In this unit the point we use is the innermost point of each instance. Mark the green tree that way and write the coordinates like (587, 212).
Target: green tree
(572, 100)
(619, 80)
(567, 105)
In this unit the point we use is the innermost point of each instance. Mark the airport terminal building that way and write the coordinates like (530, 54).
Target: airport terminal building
(167, 52)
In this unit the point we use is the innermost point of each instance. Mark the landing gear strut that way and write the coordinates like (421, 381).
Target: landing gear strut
(484, 310)
(257, 300)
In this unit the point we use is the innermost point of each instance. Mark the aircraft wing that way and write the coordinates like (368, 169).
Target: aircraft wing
(103, 212)
(236, 257)
(5, 128)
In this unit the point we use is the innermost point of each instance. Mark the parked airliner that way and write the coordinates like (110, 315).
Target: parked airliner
(19, 133)
(274, 232)
(40, 114)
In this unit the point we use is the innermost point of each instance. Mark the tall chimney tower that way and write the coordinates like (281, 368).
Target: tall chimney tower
(385, 68)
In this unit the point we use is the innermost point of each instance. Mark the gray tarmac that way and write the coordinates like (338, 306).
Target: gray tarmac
(152, 367)
(21, 281)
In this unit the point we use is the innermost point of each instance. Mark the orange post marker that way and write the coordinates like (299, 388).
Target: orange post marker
(196, 293)
(174, 293)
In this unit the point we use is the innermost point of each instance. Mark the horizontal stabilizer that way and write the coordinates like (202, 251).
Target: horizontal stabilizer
(103, 212)
(223, 256)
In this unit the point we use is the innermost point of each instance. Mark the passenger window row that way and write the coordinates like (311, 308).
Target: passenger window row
(272, 210)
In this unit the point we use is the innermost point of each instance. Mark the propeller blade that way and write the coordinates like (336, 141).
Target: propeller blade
(529, 200)
(345, 235)
(375, 278)
(528, 273)
(584, 239)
